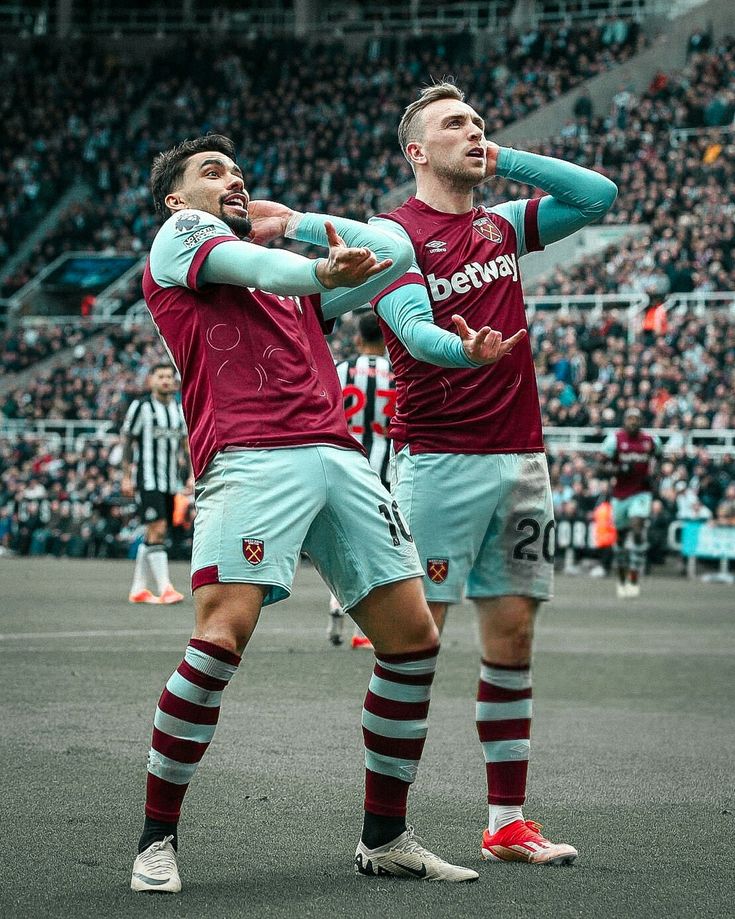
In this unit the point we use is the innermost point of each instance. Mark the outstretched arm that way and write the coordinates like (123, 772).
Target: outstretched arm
(391, 255)
(286, 273)
(408, 313)
(575, 196)
(195, 247)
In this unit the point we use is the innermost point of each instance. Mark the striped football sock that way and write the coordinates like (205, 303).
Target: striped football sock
(184, 725)
(503, 715)
(394, 724)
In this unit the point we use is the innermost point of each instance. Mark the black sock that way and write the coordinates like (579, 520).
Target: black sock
(155, 831)
(378, 830)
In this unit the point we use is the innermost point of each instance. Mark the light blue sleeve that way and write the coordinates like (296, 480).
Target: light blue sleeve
(182, 256)
(576, 196)
(174, 250)
(381, 242)
(407, 310)
(276, 271)
(610, 445)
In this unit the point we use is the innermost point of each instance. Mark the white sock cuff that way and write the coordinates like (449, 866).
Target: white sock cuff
(505, 677)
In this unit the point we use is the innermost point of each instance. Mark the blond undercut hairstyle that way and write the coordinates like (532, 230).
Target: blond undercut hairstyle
(412, 127)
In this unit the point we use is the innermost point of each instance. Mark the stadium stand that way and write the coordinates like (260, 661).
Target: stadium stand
(21, 347)
(669, 148)
(345, 107)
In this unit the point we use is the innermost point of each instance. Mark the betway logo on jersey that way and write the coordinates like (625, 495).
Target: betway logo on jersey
(475, 274)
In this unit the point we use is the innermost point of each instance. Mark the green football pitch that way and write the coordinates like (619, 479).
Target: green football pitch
(633, 758)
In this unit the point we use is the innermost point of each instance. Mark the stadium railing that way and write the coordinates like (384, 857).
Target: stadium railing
(326, 18)
(71, 435)
(589, 440)
(680, 136)
(6, 309)
(109, 301)
(699, 303)
(558, 439)
(594, 305)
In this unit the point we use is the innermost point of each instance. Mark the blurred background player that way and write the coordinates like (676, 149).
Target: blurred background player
(369, 399)
(154, 435)
(471, 472)
(631, 456)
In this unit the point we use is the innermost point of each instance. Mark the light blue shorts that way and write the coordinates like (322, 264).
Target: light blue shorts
(635, 506)
(257, 510)
(483, 524)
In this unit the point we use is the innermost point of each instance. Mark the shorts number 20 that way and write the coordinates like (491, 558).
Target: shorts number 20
(522, 549)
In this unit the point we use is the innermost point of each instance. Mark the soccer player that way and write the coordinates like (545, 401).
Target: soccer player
(154, 431)
(631, 456)
(276, 471)
(369, 398)
(471, 473)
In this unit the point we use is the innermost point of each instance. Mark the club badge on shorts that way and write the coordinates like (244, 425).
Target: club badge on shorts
(437, 569)
(485, 227)
(253, 550)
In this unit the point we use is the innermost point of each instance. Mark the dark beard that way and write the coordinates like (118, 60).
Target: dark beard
(240, 226)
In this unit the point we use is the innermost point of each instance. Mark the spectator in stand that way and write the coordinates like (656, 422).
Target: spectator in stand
(658, 532)
(725, 513)
(688, 504)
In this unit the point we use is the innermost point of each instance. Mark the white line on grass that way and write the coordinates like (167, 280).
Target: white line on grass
(129, 633)
(91, 633)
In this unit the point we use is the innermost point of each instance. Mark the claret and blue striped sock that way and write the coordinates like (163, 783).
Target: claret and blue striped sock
(503, 715)
(184, 725)
(394, 725)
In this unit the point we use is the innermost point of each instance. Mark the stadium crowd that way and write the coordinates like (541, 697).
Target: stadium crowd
(21, 347)
(680, 372)
(679, 185)
(55, 501)
(589, 374)
(66, 111)
(681, 376)
(324, 140)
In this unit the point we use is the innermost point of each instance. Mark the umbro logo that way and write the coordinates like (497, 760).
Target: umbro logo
(436, 246)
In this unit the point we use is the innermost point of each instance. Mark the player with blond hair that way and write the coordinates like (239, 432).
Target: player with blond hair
(470, 470)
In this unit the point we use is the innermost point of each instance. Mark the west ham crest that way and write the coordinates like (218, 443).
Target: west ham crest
(485, 227)
(253, 550)
(437, 569)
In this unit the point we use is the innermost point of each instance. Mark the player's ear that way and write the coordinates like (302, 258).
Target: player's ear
(415, 153)
(174, 201)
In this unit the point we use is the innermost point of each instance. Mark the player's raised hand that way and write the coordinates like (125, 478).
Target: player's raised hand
(346, 266)
(491, 159)
(486, 346)
(269, 220)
